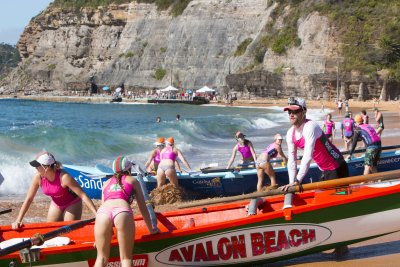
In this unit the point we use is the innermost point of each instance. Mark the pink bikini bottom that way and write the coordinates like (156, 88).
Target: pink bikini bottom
(112, 212)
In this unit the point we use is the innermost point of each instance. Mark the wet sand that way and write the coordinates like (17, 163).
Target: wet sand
(383, 251)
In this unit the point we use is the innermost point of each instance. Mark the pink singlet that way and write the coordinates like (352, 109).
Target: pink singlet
(60, 196)
(114, 191)
(329, 126)
(271, 151)
(245, 151)
(157, 158)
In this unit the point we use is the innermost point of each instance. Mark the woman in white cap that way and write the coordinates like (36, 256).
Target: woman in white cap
(65, 193)
(246, 149)
(264, 166)
(154, 158)
(117, 197)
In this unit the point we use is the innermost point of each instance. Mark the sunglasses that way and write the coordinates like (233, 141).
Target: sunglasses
(294, 111)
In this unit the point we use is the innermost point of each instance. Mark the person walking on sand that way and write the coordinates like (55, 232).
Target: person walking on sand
(329, 128)
(307, 135)
(117, 196)
(245, 147)
(372, 141)
(365, 116)
(379, 120)
(340, 106)
(347, 130)
(154, 158)
(263, 164)
(65, 193)
(166, 168)
(346, 105)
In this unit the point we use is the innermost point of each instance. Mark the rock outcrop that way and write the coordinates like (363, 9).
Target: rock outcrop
(64, 50)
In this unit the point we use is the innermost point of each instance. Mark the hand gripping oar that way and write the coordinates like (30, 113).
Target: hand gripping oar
(39, 239)
(153, 217)
(389, 175)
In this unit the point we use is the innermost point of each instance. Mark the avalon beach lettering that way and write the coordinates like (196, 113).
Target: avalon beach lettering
(249, 244)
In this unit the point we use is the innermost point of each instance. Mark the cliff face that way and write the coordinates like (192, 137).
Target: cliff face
(66, 50)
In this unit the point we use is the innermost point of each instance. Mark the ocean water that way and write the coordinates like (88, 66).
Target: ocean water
(88, 134)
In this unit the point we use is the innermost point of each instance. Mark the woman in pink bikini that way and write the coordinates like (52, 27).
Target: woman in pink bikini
(65, 193)
(115, 210)
(154, 158)
(166, 168)
(264, 166)
(245, 147)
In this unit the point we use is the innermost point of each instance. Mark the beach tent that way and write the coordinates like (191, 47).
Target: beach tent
(205, 89)
(105, 88)
(170, 88)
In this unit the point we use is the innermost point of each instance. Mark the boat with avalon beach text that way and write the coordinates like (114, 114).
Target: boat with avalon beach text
(333, 214)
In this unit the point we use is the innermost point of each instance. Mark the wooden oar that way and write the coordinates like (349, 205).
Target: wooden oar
(39, 239)
(312, 186)
(5, 211)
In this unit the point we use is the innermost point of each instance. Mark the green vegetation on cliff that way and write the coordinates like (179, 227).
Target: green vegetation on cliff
(368, 32)
(177, 6)
(9, 58)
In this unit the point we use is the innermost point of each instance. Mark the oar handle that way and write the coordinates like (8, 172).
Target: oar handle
(5, 211)
(37, 239)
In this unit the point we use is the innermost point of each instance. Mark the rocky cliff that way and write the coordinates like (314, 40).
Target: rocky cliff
(142, 47)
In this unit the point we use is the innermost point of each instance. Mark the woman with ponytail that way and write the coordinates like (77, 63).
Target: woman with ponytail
(115, 210)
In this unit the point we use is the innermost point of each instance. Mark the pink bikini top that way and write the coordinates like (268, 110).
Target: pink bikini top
(157, 158)
(245, 151)
(168, 154)
(60, 195)
(114, 191)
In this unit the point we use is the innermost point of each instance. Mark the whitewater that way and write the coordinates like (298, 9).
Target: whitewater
(89, 134)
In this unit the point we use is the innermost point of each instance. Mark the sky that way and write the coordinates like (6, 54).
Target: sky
(15, 16)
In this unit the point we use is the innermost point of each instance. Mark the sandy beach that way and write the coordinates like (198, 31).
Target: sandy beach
(383, 251)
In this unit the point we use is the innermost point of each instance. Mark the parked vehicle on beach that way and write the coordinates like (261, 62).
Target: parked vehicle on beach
(214, 182)
(226, 235)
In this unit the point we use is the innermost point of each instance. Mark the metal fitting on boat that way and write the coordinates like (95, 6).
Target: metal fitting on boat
(29, 255)
(255, 203)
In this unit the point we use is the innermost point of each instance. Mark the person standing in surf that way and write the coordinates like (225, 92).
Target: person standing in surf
(372, 141)
(154, 158)
(245, 147)
(264, 166)
(329, 128)
(166, 168)
(115, 210)
(65, 193)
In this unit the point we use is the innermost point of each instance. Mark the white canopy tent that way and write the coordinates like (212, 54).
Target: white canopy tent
(170, 88)
(205, 89)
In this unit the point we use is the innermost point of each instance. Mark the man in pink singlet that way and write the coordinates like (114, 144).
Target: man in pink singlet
(308, 136)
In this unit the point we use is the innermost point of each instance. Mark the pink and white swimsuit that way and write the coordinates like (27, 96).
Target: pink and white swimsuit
(316, 146)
